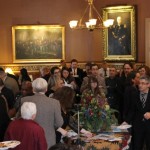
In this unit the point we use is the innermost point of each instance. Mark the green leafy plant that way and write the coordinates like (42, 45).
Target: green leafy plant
(96, 115)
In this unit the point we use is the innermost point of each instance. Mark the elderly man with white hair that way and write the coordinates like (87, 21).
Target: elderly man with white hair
(27, 131)
(48, 110)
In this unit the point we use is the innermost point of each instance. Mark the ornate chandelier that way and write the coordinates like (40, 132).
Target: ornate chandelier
(93, 21)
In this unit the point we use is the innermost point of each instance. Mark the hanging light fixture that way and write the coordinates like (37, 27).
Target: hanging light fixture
(92, 21)
(9, 70)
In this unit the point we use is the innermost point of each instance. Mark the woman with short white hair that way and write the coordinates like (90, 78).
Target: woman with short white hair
(28, 110)
(27, 131)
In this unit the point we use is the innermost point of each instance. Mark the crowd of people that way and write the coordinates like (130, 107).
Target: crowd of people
(41, 109)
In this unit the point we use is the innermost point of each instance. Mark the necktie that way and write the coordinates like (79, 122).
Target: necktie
(105, 72)
(74, 71)
(143, 100)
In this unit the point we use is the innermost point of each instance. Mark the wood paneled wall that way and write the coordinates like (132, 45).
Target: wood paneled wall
(80, 44)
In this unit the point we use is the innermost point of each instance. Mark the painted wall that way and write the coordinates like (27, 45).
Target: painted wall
(80, 44)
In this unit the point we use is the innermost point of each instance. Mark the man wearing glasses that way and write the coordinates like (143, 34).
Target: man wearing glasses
(140, 115)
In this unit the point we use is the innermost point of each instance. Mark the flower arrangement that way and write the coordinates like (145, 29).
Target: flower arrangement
(96, 115)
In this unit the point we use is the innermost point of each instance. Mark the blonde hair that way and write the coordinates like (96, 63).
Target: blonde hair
(53, 81)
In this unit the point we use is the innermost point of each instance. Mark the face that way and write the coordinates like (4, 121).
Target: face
(94, 70)
(112, 72)
(65, 73)
(57, 72)
(119, 20)
(63, 63)
(44, 72)
(142, 72)
(74, 65)
(93, 84)
(25, 90)
(127, 69)
(144, 86)
(104, 65)
(87, 68)
(60, 83)
(136, 80)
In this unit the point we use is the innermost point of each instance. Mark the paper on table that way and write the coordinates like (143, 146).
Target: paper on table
(102, 137)
(115, 139)
(71, 133)
(124, 126)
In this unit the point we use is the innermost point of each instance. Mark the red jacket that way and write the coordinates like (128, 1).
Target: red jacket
(29, 133)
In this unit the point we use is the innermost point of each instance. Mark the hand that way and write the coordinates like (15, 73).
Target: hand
(86, 133)
(62, 131)
(147, 115)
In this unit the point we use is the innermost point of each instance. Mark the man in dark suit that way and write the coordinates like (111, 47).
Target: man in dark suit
(76, 72)
(141, 124)
(140, 115)
(111, 84)
(4, 118)
(9, 96)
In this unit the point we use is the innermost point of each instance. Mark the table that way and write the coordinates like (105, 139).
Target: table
(99, 144)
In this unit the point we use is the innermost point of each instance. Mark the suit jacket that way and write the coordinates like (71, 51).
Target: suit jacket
(8, 94)
(78, 79)
(48, 115)
(102, 72)
(130, 98)
(140, 111)
(112, 93)
(137, 112)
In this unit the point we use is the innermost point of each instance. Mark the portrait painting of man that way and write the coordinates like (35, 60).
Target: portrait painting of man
(120, 38)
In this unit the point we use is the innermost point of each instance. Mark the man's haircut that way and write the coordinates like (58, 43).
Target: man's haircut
(74, 60)
(92, 65)
(146, 78)
(53, 69)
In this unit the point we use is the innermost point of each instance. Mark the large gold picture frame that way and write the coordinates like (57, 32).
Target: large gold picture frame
(120, 38)
(38, 43)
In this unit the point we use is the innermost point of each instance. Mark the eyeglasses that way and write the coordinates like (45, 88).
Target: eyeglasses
(143, 83)
(127, 68)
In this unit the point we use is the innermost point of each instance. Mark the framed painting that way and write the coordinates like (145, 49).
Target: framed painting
(38, 43)
(120, 38)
